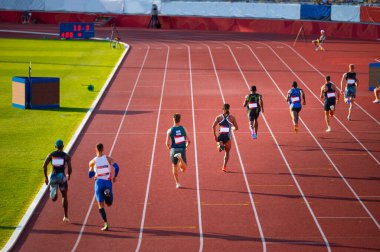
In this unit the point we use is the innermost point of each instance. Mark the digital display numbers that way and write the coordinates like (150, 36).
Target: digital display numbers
(76, 30)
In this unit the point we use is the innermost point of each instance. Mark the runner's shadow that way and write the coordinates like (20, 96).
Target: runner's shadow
(68, 109)
(120, 112)
(109, 233)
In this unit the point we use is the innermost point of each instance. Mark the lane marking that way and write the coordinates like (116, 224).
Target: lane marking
(153, 152)
(272, 185)
(195, 154)
(326, 242)
(225, 204)
(323, 75)
(111, 150)
(315, 139)
(241, 162)
(377, 60)
(171, 227)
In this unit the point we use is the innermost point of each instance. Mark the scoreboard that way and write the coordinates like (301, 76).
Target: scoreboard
(76, 30)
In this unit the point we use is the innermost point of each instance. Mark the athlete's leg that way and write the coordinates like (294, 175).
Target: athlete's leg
(227, 154)
(175, 172)
(103, 214)
(352, 101)
(292, 115)
(327, 118)
(256, 126)
(65, 203)
(182, 161)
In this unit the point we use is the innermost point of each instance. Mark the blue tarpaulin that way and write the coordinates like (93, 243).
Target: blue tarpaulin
(316, 12)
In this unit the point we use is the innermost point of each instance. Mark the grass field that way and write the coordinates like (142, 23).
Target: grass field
(27, 136)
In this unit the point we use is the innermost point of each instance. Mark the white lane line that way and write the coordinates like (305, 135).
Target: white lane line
(279, 148)
(377, 60)
(112, 147)
(153, 152)
(318, 143)
(195, 154)
(343, 217)
(299, 55)
(241, 162)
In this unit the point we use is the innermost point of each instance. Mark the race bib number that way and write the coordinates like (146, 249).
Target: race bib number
(224, 130)
(252, 105)
(350, 81)
(179, 139)
(330, 94)
(57, 161)
(295, 99)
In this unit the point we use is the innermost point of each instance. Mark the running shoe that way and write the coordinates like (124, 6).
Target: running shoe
(178, 155)
(254, 136)
(349, 118)
(107, 192)
(348, 100)
(178, 186)
(332, 109)
(53, 191)
(376, 101)
(65, 219)
(105, 228)
(328, 129)
(224, 169)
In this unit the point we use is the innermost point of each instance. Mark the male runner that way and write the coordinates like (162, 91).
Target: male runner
(178, 143)
(254, 104)
(225, 122)
(100, 168)
(294, 97)
(352, 82)
(330, 94)
(319, 41)
(59, 159)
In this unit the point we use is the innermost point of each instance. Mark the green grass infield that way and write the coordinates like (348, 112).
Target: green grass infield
(27, 136)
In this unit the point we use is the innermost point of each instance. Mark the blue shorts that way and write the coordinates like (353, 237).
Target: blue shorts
(100, 186)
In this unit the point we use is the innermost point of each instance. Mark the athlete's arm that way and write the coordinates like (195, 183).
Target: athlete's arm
(336, 93)
(91, 172)
(115, 166)
(261, 104)
(187, 137)
(341, 82)
(214, 127)
(235, 123)
(357, 82)
(167, 139)
(288, 96)
(303, 97)
(322, 90)
(47, 161)
(69, 168)
(245, 101)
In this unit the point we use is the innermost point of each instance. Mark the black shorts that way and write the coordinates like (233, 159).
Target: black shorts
(296, 109)
(174, 151)
(328, 104)
(253, 114)
(224, 138)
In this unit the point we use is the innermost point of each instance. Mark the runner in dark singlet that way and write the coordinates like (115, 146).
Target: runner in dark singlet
(352, 82)
(177, 141)
(294, 97)
(58, 179)
(225, 122)
(330, 94)
(254, 104)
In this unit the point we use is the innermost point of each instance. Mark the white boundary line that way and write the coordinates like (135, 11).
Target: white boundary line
(315, 139)
(340, 122)
(111, 150)
(299, 55)
(262, 237)
(30, 32)
(195, 154)
(25, 219)
(153, 152)
(279, 148)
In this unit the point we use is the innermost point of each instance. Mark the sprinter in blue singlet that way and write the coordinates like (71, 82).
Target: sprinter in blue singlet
(177, 141)
(295, 95)
(330, 94)
(225, 122)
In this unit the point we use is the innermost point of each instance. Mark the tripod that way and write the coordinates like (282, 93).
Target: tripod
(115, 37)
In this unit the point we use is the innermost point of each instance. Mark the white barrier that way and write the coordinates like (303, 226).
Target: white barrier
(347, 13)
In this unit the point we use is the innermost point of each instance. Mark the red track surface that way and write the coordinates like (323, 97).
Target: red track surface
(313, 191)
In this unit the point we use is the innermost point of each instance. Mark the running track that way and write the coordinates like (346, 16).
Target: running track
(311, 191)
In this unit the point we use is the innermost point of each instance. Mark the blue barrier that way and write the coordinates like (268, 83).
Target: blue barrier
(316, 12)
